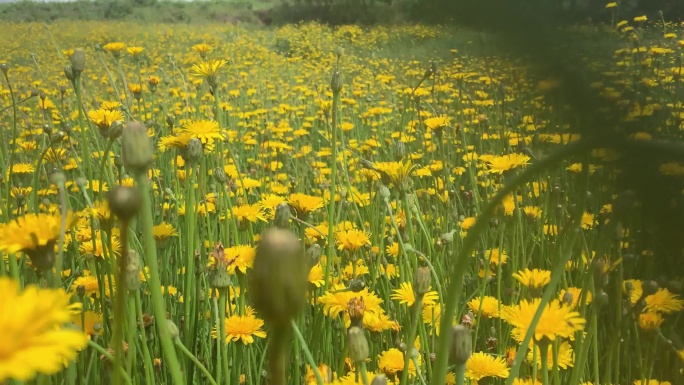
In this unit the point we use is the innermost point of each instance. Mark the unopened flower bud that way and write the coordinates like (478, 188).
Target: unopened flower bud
(173, 329)
(461, 345)
(279, 277)
(339, 52)
(78, 60)
(4, 67)
(421, 280)
(124, 201)
(399, 150)
(194, 150)
(384, 193)
(356, 285)
(379, 379)
(313, 254)
(133, 270)
(357, 343)
(336, 82)
(282, 216)
(69, 73)
(220, 175)
(115, 130)
(568, 298)
(649, 288)
(218, 274)
(136, 148)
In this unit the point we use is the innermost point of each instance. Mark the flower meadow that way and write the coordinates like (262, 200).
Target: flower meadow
(305, 204)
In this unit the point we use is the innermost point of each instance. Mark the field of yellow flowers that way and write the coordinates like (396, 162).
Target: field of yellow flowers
(315, 205)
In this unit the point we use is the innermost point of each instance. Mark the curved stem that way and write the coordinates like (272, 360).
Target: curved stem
(307, 352)
(194, 359)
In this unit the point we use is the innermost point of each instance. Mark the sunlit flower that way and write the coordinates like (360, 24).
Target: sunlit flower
(392, 361)
(557, 320)
(242, 328)
(33, 333)
(500, 164)
(351, 240)
(406, 295)
(481, 365)
(488, 306)
(535, 278)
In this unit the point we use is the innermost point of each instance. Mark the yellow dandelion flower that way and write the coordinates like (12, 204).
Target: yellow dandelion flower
(163, 231)
(243, 329)
(406, 295)
(351, 240)
(481, 365)
(663, 301)
(533, 279)
(305, 204)
(557, 320)
(501, 164)
(488, 306)
(33, 333)
(207, 131)
(392, 361)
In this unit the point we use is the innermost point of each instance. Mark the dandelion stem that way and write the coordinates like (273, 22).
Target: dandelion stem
(307, 352)
(194, 359)
(155, 284)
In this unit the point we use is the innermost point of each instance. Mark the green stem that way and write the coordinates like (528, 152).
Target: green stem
(155, 285)
(111, 359)
(307, 352)
(330, 251)
(415, 319)
(194, 359)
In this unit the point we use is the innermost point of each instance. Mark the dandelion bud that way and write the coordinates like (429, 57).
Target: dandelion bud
(69, 73)
(169, 121)
(336, 82)
(77, 60)
(399, 150)
(58, 178)
(80, 291)
(313, 254)
(218, 272)
(124, 201)
(421, 280)
(220, 175)
(567, 298)
(660, 13)
(602, 298)
(279, 276)
(194, 150)
(282, 216)
(384, 193)
(357, 343)
(173, 329)
(447, 237)
(356, 285)
(133, 270)
(433, 66)
(461, 345)
(649, 288)
(115, 130)
(136, 148)
(4, 68)
(118, 163)
(339, 52)
(379, 379)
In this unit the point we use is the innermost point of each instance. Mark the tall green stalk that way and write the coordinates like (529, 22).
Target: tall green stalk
(150, 250)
